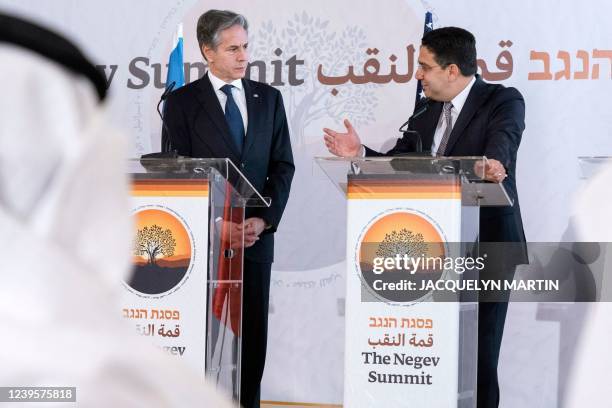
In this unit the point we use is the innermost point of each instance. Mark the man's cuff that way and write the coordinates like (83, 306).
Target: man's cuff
(362, 151)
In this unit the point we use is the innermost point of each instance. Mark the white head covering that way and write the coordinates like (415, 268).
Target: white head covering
(589, 379)
(65, 238)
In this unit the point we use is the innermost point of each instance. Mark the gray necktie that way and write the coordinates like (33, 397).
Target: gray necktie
(446, 111)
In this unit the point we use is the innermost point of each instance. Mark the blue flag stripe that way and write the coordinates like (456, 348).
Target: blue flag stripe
(176, 72)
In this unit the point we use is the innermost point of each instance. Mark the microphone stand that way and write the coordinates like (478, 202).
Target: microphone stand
(420, 109)
(168, 153)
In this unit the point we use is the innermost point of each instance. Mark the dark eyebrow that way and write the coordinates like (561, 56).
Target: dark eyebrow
(236, 46)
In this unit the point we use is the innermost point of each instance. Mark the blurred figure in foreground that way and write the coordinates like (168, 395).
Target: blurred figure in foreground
(589, 379)
(65, 236)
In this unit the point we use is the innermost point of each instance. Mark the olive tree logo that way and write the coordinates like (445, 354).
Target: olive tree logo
(154, 242)
(402, 242)
(391, 252)
(162, 252)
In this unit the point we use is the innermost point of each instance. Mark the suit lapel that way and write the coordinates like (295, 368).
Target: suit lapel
(472, 103)
(210, 103)
(252, 102)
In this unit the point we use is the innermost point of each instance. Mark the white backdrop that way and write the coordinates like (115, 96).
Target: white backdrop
(566, 118)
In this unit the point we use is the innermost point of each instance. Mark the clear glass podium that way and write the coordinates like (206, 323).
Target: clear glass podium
(414, 207)
(208, 197)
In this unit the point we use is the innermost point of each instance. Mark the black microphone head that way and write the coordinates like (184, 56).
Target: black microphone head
(169, 89)
(166, 137)
(420, 107)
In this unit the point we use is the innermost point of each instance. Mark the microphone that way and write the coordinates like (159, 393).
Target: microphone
(162, 98)
(420, 109)
(167, 152)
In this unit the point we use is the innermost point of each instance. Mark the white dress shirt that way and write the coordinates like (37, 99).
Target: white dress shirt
(458, 102)
(237, 93)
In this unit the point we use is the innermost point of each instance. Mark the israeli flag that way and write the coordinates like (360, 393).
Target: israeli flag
(176, 74)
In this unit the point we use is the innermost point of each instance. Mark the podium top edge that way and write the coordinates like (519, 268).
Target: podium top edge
(389, 158)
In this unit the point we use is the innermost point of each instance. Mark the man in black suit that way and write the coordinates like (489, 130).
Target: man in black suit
(224, 115)
(467, 117)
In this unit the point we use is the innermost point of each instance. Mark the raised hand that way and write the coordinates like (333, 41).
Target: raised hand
(345, 144)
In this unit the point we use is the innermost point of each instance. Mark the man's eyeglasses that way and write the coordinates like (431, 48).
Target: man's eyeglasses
(427, 68)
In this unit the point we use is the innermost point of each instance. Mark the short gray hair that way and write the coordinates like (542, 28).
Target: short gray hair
(211, 23)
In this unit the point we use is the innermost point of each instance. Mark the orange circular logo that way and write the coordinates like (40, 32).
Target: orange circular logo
(399, 252)
(162, 251)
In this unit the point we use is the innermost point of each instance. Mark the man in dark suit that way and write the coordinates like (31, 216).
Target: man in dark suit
(224, 115)
(467, 117)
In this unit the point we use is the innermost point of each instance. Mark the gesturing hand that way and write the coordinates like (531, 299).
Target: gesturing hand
(345, 144)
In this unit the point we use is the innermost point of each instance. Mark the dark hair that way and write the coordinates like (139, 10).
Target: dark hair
(211, 23)
(452, 45)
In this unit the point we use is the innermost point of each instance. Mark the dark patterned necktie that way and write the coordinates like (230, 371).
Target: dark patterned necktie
(448, 119)
(233, 118)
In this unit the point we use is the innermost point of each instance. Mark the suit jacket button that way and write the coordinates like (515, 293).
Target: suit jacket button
(242, 165)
